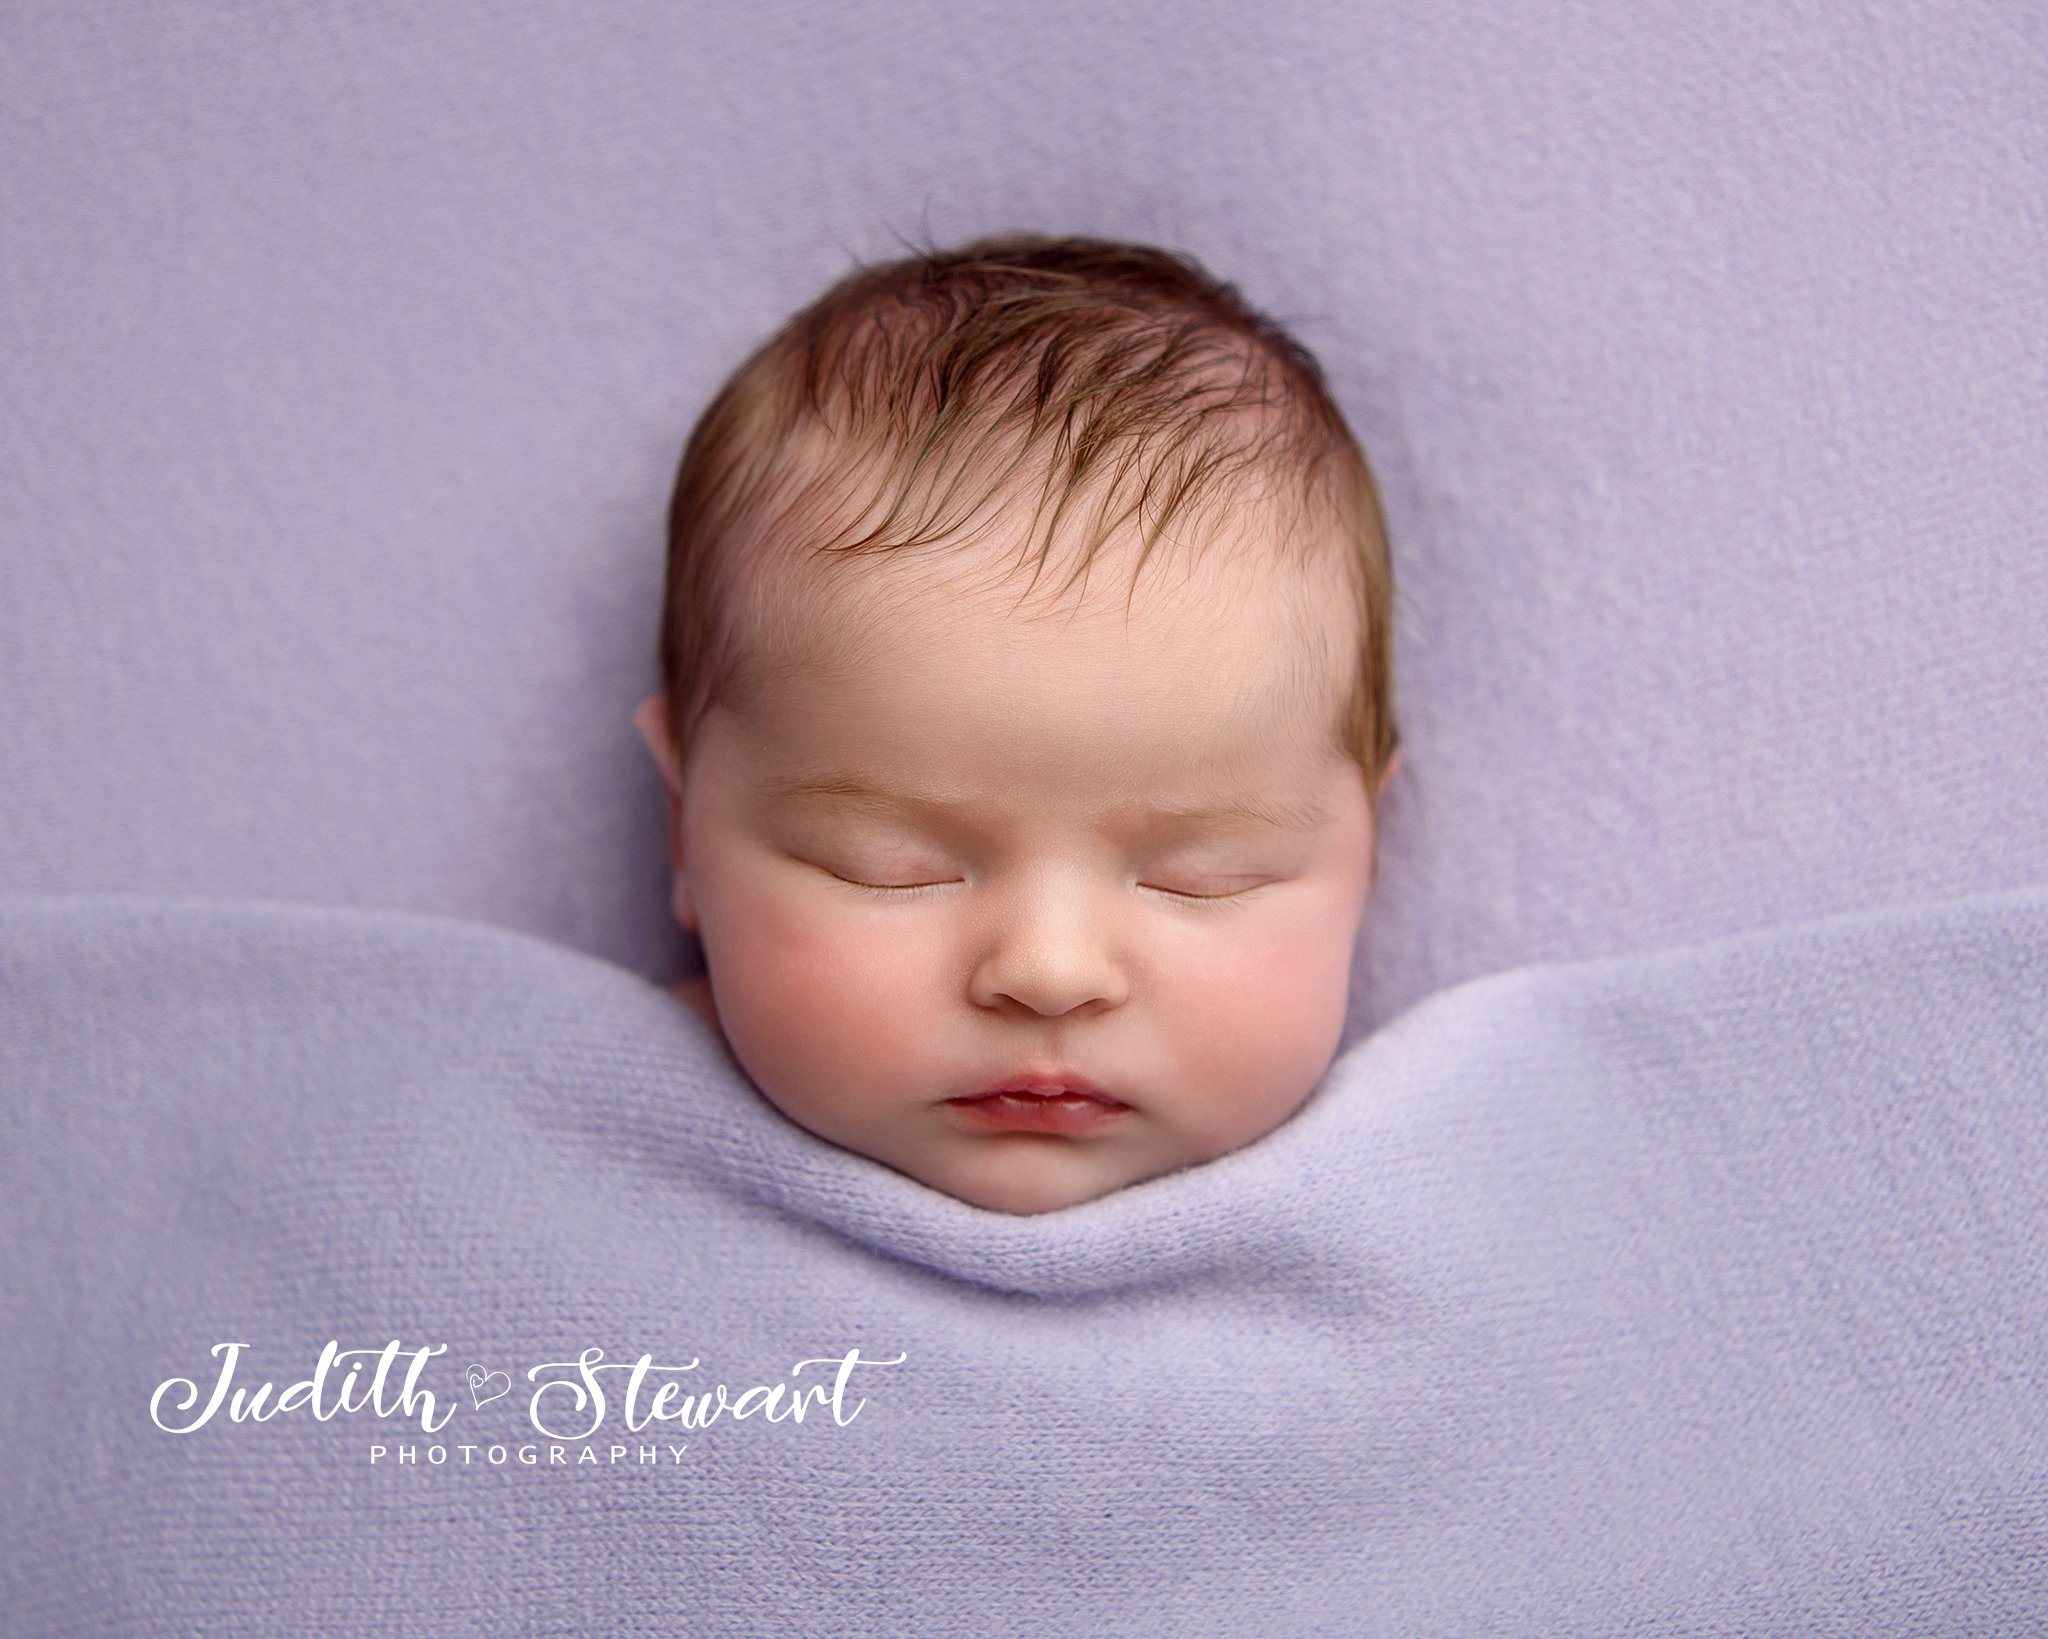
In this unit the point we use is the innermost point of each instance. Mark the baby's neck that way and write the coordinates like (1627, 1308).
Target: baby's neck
(695, 994)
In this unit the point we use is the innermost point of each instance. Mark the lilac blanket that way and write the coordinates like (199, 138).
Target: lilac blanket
(1691, 1293)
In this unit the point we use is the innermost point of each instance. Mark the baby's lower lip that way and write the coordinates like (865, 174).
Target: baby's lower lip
(1038, 1112)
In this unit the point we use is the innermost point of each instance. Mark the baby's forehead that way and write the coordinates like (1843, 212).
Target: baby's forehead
(894, 635)
(1194, 656)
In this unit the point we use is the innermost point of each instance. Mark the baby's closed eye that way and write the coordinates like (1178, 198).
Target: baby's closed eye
(1183, 887)
(1213, 891)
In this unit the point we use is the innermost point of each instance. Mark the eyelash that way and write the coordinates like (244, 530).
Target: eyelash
(1205, 899)
(889, 893)
(1208, 901)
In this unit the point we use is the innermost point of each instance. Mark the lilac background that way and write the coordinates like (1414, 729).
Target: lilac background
(345, 353)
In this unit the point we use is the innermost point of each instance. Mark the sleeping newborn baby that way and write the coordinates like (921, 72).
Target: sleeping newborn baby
(1024, 716)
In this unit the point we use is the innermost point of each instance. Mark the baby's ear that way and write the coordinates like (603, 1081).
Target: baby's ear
(651, 718)
(1387, 774)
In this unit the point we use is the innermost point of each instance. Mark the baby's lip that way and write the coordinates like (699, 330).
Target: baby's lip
(1052, 1103)
(1045, 1084)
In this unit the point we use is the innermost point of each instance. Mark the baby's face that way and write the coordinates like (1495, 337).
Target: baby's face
(1006, 846)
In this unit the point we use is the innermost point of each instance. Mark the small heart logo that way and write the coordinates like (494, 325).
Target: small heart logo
(484, 1387)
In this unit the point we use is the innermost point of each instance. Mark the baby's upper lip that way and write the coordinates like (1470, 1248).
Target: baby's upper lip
(1043, 1082)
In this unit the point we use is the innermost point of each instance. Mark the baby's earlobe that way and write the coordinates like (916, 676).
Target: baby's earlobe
(650, 717)
(680, 903)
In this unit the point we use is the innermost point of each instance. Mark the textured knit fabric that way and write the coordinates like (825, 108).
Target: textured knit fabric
(1697, 1292)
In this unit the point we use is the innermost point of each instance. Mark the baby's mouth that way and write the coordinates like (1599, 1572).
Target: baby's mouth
(1033, 1101)
(1052, 1104)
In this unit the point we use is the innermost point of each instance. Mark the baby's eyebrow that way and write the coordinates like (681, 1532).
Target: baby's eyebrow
(1282, 813)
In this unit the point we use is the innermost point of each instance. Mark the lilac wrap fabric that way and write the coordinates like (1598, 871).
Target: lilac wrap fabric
(1693, 1292)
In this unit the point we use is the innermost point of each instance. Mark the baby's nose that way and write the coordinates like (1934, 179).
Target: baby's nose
(1052, 953)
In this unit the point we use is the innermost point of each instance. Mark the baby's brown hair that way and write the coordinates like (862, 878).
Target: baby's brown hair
(1091, 363)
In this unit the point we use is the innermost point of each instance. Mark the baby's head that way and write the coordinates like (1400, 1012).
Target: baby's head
(1026, 703)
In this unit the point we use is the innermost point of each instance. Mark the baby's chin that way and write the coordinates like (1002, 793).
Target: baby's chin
(1029, 1203)
(1026, 1175)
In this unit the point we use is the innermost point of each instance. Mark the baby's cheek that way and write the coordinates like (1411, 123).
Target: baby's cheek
(1263, 980)
(1262, 1018)
(813, 1003)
